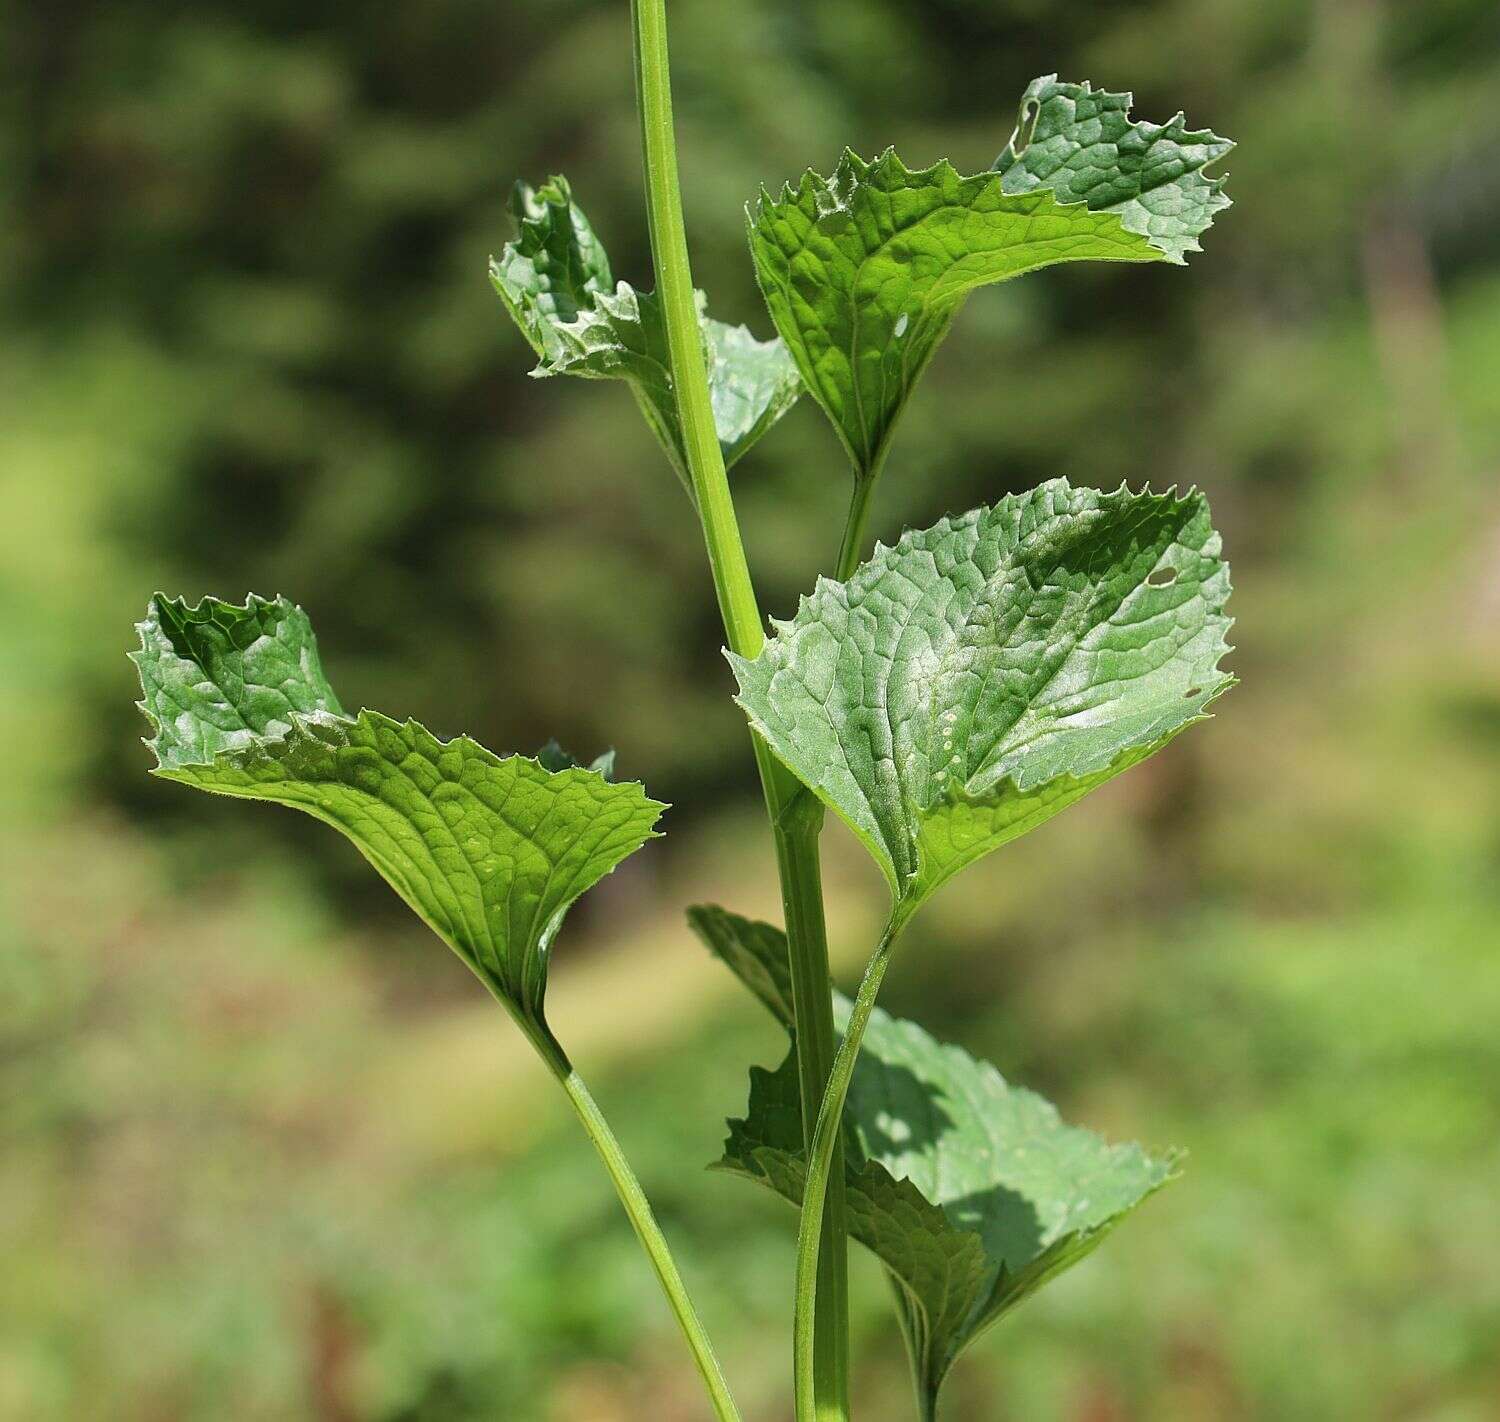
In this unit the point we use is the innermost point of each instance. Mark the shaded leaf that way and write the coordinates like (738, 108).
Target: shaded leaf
(489, 852)
(555, 281)
(553, 757)
(969, 683)
(971, 1192)
(756, 953)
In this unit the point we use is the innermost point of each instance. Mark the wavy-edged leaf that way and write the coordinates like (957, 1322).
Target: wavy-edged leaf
(972, 1192)
(973, 680)
(490, 852)
(555, 281)
(865, 270)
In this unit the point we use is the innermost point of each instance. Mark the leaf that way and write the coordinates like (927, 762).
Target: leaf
(556, 283)
(864, 271)
(756, 953)
(1081, 144)
(489, 852)
(969, 683)
(972, 1192)
(553, 757)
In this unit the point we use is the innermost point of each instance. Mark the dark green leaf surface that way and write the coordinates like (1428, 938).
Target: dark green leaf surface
(865, 270)
(556, 283)
(971, 1192)
(969, 683)
(490, 852)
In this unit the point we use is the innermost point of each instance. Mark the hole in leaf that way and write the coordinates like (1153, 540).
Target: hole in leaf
(1020, 140)
(1192, 691)
(1162, 577)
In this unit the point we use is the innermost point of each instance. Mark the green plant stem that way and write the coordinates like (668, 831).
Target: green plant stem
(866, 480)
(794, 825)
(851, 548)
(820, 1162)
(642, 1218)
(856, 526)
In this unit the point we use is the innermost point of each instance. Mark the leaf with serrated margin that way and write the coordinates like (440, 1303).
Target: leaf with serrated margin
(555, 281)
(864, 271)
(1081, 143)
(490, 852)
(756, 953)
(970, 682)
(972, 1192)
(553, 757)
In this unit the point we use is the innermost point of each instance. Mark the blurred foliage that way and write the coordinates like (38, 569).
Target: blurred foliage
(266, 1154)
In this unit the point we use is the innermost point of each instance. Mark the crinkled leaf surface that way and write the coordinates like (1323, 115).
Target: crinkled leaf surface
(971, 1192)
(1081, 144)
(490, 852)
(556, 283)
(865, 270)
(981, 675)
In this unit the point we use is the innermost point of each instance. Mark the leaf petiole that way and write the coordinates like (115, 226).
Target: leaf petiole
(642, 1220)
(820, 1162)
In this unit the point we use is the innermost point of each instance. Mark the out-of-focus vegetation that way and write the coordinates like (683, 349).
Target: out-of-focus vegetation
(269, 1153)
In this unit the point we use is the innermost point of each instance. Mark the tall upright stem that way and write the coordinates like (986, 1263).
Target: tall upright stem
(795, 820)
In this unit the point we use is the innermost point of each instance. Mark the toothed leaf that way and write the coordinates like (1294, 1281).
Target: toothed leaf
(555, 281)
(553, 757)
(972, 1192)
(1081, 143)
(756, 953)
(969, 683)
(865, 270)
(489, 852)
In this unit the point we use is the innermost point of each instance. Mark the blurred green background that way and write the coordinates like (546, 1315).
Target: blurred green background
(266, 1151)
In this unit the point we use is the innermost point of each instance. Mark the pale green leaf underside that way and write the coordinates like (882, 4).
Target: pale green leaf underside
(490, 852)
(865, 270)
(969, 683)
(556, 283)
(970, 1191)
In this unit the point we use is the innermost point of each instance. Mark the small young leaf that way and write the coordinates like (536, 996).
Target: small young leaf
(969, 683)
(556, 283)
(864, 271)
(553, 757)
(972, 1192)
(489, 852)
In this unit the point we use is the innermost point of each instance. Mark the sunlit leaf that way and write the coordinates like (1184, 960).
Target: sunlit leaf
(865, 270)
(490, 852)
(1081, 144)
(970, 682)
(555, 281)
